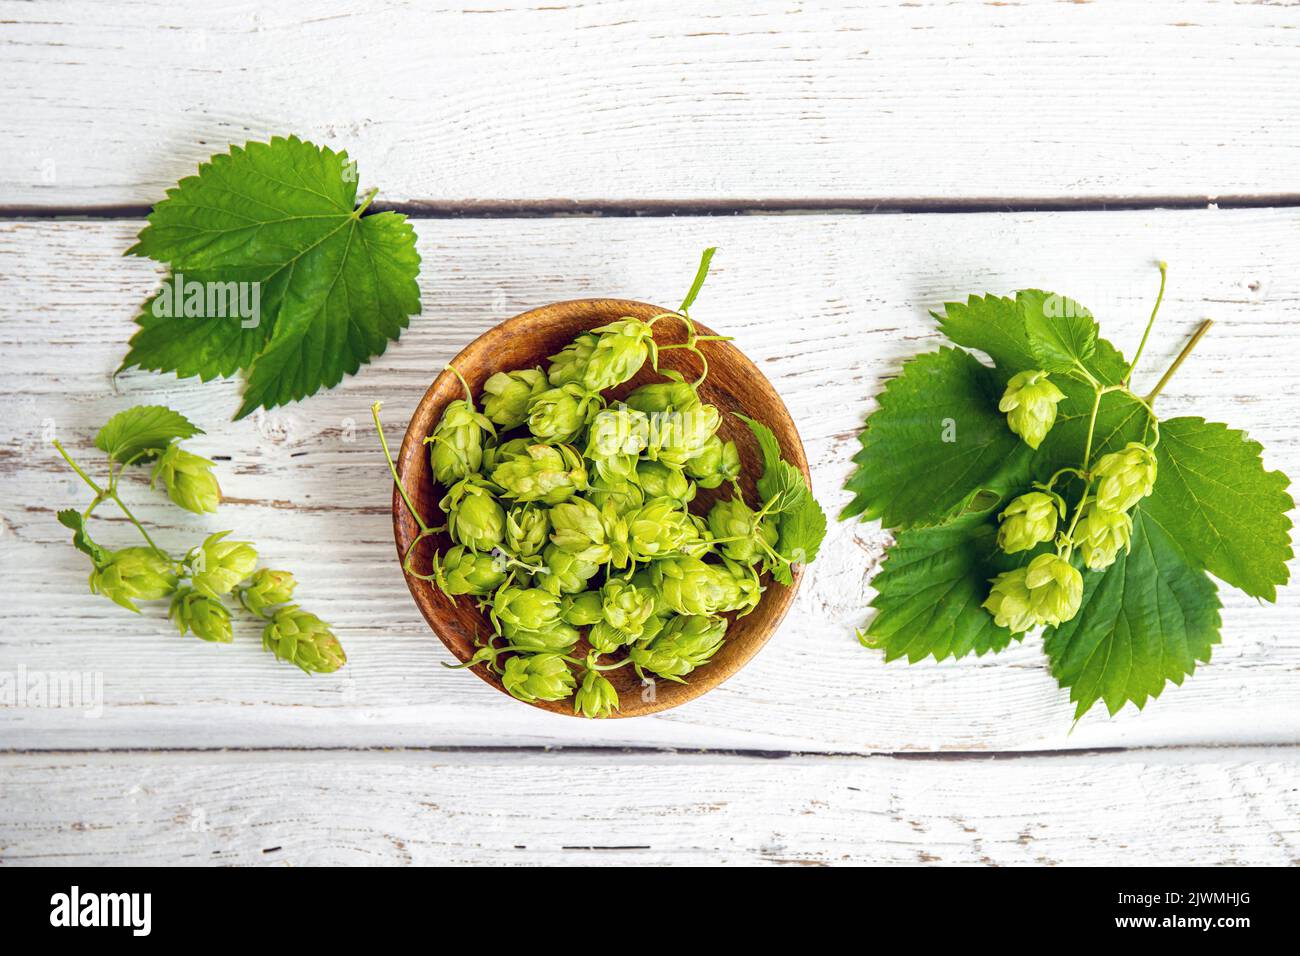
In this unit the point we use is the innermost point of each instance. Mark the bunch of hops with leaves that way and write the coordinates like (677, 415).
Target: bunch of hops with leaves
(570, 519)
(1041, 490)
(200, 584)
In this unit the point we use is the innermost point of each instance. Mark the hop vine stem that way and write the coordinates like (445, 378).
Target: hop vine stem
(1182, 357)
(102, 494)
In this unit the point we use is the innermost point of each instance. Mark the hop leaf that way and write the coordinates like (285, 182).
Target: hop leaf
(143, 431)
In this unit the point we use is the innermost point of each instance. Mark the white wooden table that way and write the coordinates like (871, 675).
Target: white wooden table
(557, 151)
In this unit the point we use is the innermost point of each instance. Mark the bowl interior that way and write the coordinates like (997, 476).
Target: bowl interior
(734, 384)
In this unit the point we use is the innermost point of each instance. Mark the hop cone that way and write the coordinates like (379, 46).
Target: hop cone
(660, 528)
(267, 588)
(526, 609)
(300, 638)
(563, 572)
(621, 349)
(580, 530)
(527, 531)
(685, 644)
(1008, 602)
(569, 365)
(739, 586)
(663, 481)
(673, 395)
(716, 462)
(188, 478)
(626, 606)
(462, 571)
(734, 519)
(1125, 477)
(1100, 534)
(1055, 589)
(474, 518)
(1030, 404)
(456, 445)
(216, 566)
(208, 618)
(1028, 521)
(596, 697)
(582, 610)
(558, 638)
(546, 473)
(133, 574)
(678, 436)
(506, 395)
(560, 414)
(538, 677)
(623, 496)
(605, 638)
(689, 586)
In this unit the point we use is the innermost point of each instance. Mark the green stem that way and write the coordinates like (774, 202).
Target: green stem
(1182, 357)
(365, 202)
(374, 411)
(77, 468)
(102, 494)
(1164, 268)
(469, 395)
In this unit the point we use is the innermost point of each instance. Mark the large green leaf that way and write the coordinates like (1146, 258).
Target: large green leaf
(143, 431)
(1062, 334)
(1214, 496)
(994, 325)
(937, 445)
(1146, 620)
(929, 592)
(337, 286)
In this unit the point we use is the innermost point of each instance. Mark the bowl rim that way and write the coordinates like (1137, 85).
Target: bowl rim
(599, 310)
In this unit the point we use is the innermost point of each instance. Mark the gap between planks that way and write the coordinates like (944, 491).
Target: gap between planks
(666, 208)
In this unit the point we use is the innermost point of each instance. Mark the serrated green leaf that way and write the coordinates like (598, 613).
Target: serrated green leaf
(143, 430)
(1213, 495)
(936, 442)
(801, 530)
(994, 325)
(1146, 620)
(337, 286)
(929, 592)
(1061, 332)
(73, 521)
(801, 522)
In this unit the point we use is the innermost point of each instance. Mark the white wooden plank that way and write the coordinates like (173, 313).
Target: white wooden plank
(309, 485)
(110, 102)
(1181, 808)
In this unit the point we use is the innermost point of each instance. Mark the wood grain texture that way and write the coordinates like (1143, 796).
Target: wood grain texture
(109, 103)
(1181, 808)
(827, 306)
(733, 386)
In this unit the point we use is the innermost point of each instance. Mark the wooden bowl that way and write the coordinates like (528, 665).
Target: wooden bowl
(733, 384)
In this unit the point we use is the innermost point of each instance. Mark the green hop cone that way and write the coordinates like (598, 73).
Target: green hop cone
(716, 462)
(616, 437)
(621, 349)
(675, 394)
(557, 638)
(456, 445)
(677, 435)
(569, 365)
(267, 588)
(527, 531)
(626, 606)
(596, 697)
(741, 531)
(301, 638)
(582, 610)
(1125, 477)
(563, 572)
(208, 618)
(1100, 534)
(506, 395)
(660, 528)
(560, 414)
(689, 586)
(1030, 406)
(133, 574)
(462, 571)
(188, 479)
(580, 530)
(216, 566)
(525, 609)
(1029, 521)
(740, 586)
(1055, 589)
(664, 481)
(546, 473)
(1008, 602)
(538, 677)
(474, 518)
(683, 645)
(624, 496)
(605, 638)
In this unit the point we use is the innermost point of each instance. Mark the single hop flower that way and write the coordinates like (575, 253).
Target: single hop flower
(624, 496)
(538, 677)
(1125, 477)
(716, 462)
(527, 530)
(1100, 534)
(677, 435)
(741, 531)
(188, 479)
(537, 472)
(462, 571)
(658, 480)
(563, 572)
(626, 606)
(1055, 589)
(209, 619)
(1030, 405)
(621, 349)
(676, 394)
(1029, 521)
(616, 438)
(557, 638)
(582, 610)
(660, 528)
(298, 637)
(739, 585)
(133, 574)
(685, 644)
(560, 414)
(267, 588)
(506, 395)
(525, 609)
(605, 638)
(1008, 602)
(596, 697)
(474, 518)
(216, 566)
(689, 586)
(569, 365)
(456, 445)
